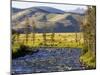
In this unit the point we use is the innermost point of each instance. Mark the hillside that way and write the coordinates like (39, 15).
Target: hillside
(54, 20)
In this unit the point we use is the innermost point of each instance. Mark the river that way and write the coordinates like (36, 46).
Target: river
(48, 60)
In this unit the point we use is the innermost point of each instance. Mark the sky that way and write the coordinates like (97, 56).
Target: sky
(23, 5)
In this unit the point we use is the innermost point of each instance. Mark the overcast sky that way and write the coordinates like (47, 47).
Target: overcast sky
(23, 5)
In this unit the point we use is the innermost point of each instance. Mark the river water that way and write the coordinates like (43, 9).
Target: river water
(48, 60)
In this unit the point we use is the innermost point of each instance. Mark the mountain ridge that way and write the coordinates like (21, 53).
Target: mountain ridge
(42, 16)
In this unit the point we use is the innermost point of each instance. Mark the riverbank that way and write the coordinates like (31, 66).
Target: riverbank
(89, 60)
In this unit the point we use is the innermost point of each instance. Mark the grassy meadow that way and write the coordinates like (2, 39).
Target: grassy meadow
(72, 40)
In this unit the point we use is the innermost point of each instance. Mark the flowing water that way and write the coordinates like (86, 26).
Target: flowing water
(48, 60)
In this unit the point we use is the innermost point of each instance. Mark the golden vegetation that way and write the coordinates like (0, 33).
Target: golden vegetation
(59, 40)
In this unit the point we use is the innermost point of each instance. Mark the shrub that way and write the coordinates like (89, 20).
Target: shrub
(21, 51)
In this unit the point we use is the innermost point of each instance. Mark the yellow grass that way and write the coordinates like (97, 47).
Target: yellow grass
(60, 40)
(89, 59)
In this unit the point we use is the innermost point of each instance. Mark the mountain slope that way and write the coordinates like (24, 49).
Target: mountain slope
(54, 19)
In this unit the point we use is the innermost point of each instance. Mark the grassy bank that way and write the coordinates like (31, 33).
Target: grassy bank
(89, 60)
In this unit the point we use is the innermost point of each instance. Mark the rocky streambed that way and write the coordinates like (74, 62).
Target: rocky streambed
(48, 60)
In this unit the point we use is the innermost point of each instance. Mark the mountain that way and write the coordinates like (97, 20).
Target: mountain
(40, 8)
(54, 19)
(78, 11)
(50, 10)
(20, 13)
(16, 10)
